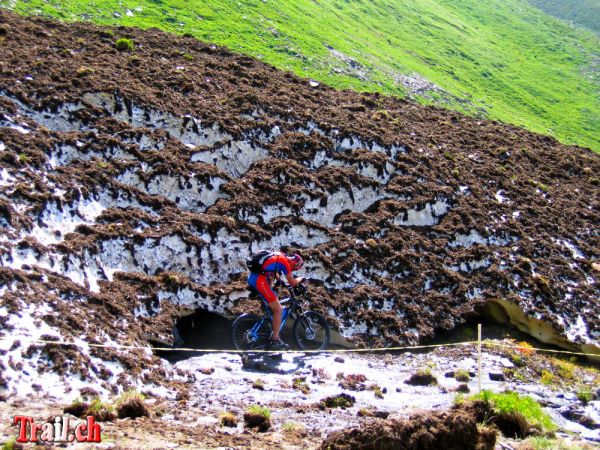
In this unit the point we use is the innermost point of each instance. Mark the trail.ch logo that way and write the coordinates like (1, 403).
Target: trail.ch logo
(58, 430)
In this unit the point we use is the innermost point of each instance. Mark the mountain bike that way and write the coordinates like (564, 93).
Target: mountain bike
(311, 330)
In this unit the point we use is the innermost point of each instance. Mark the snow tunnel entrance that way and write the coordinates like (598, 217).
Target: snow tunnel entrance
(203, 330)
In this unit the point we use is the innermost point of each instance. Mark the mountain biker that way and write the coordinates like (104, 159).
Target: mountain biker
(273, 267)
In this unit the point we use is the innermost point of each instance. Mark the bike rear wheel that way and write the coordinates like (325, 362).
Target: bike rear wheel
(242, 336)
(311, 331)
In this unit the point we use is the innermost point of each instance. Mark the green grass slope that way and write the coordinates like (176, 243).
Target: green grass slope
(581, 12)
(500, 59)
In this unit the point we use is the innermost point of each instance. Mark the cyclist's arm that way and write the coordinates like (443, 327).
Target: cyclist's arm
(293, 281)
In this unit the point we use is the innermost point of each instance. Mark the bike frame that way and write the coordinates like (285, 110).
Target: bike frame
(288, 310)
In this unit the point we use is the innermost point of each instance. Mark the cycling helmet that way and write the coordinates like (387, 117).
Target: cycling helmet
(297, 261)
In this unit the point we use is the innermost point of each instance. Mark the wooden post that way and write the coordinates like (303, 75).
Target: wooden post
(479, 354)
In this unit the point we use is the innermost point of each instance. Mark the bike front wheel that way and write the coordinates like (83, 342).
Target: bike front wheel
(241, 332)
(311, 331)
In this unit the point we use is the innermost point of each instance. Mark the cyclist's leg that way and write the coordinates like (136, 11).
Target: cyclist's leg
(263, 288)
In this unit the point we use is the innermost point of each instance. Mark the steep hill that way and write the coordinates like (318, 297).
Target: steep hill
(581, 12)
(134, 184)
(500, 59)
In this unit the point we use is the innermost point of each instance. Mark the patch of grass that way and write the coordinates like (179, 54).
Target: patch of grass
(547, 378)
(585, 395)
(102, 411)
(487, 57)
(511, 402)
(10, 444)
(462, 375)
(565, 369)
(23, 158)
(377, 391)
(124, 45)
(292, 427)
(548, 443)
(260, 411)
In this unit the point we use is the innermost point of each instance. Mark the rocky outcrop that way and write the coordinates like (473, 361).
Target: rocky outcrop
(133, 185)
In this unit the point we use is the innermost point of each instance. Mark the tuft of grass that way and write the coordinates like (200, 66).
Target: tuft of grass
(292, 427)
(547, 378)
(338, 401)
(10, 444)
(377, 391)
(511, 402)
(565, 369)
(585, 395)
(124, 45)
(102, 411)
(131, 404)
(462, 375)
(258, 384)
(228, 419)
(260, 411)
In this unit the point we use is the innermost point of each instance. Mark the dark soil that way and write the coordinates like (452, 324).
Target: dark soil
(257, 422)
(454, 430)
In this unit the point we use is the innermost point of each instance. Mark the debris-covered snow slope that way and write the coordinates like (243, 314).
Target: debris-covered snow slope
(132, 184)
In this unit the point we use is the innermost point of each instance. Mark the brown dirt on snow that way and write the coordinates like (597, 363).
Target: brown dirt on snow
(524, 194)
(452, 430)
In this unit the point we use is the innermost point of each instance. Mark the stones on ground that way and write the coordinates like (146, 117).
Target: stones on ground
(339, 359)
(497, 376)
(207, 371)
(463, 388)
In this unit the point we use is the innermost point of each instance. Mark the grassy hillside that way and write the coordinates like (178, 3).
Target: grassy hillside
(501, 59)
(581, 12)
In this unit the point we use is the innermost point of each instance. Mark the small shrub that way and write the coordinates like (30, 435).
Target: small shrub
(517, 359)
(124, 45)
(342, 400)
(258, 384)
(23, 158)
(353, 382)
(300, 385)
(462, 375)
(187, 57)
(585, 395)
(228, 419)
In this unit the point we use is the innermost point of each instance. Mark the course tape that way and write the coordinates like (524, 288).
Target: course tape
(198, 350)
(344, 350)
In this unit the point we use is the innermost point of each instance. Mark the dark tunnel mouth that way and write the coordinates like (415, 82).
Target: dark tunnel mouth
(203, 330)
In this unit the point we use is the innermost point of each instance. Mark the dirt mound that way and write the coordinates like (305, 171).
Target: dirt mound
(133, 185)
(433, 430)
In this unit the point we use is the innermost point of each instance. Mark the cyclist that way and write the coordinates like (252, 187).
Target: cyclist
(275, 265)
